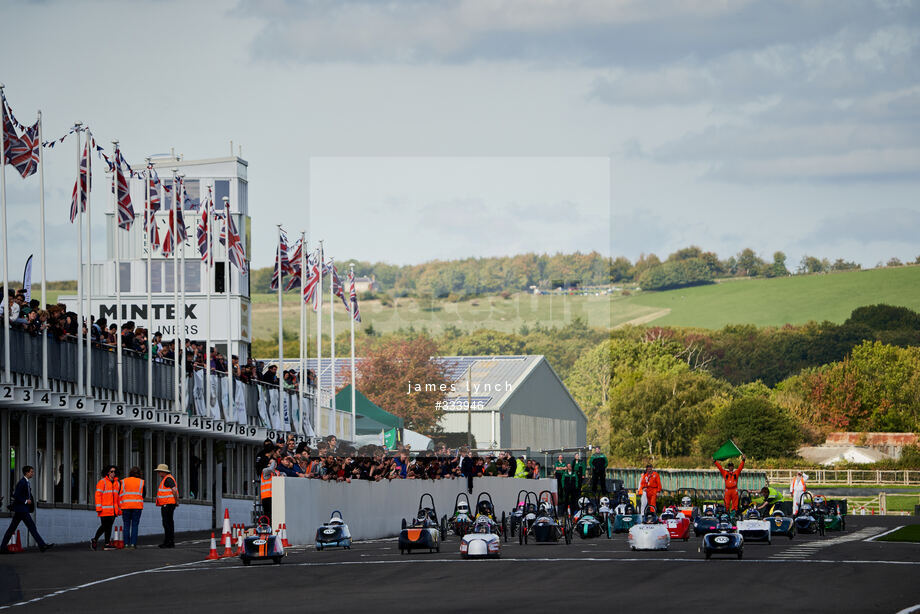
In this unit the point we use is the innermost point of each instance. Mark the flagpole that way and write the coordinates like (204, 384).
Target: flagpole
(41, 200)
(90, 144)
(229, 306)
(180, 314)
(150, 225)
(6, 252)
(280, 320)
(118, 316)
(80, 196)
(318, 301)
(353, 411)
(332, 332)
(174, 236)
(303, 321)
(208, 269)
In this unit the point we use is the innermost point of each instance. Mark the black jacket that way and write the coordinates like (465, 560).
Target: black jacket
(466, 466)
(22, 494)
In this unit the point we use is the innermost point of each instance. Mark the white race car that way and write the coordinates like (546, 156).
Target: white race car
(754, 528)
(650, 535)
(481, 542)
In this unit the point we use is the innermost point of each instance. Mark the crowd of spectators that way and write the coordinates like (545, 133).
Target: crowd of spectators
(342, 463)
(61, 324)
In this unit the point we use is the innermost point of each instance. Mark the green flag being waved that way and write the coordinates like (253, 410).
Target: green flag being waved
(728, 450)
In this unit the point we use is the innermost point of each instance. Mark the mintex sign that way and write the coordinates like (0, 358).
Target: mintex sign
(162, 316)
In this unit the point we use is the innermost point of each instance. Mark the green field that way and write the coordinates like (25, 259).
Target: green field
(493, 312)
(774, 302)
(910, 533)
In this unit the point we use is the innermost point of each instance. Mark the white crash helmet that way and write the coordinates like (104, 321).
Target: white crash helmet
(686, 501)
(605, 502)
(463, 508)
(583, 502)
(546, 507)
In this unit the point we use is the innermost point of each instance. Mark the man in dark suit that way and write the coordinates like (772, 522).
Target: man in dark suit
(23, 504)
(466, 469)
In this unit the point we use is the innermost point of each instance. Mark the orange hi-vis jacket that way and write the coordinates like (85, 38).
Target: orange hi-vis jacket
(132, 494)
(730, 477)
(266, 487)
(165, 495)
(107, 497)
(650, 483)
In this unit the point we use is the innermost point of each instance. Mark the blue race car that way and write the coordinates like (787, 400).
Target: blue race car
(334, 533)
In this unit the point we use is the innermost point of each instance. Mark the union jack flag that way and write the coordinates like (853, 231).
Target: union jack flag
(309, 288)
(169, 236)
(282, 262)
(80, 187)
(153, 238)
(24, 151)
(237, 253)
(355, 312)
(122, 196)
(203, 222)
(295, 258)
(338, 288)
(154, 181)
(9, 134)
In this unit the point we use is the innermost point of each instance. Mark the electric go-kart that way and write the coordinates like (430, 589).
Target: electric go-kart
(605, 509)
(333, 533)
(424, 532)
(781, 524)
(461, 521)
(485, 512)
(808, 520)
(677, 524)
(726, 540)
(650, 534)
(589, 523)
(526, 513)
(707, 522)
(754, 528)
(834, 513)
(262, 546)
(547, 527)
(481, 541)
(625, 516)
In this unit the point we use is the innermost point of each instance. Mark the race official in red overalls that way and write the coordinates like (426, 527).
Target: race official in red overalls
(730, 475)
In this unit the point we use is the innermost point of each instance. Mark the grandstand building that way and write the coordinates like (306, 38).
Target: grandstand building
(69, 425)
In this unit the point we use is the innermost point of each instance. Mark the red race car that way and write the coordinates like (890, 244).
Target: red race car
(678, 524)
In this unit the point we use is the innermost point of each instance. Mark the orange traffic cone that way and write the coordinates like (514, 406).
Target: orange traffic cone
(239, 544)
(119, 537)
(212, 555)
(228, 551)
(226, 528)
(16, 546)
(284, 539)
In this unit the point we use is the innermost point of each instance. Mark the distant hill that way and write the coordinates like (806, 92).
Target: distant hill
(772, 302)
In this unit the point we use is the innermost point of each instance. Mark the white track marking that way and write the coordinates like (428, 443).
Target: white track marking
(96, 582)
(806, 549)
(875, 537)
(909, 610)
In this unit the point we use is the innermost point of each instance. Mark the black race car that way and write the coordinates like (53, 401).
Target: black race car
(423, 532)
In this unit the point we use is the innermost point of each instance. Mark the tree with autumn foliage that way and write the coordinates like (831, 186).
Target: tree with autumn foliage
(399, 375)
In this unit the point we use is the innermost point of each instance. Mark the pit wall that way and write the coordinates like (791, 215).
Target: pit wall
(375, 509)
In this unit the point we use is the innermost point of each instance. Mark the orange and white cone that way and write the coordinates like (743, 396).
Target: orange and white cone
(212, 555)
(284, 539)
(239, 544)
(226, 529)
(15, 546)
(118, 539)
(228, 551)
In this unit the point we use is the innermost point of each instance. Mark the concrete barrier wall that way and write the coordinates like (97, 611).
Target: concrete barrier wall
(68, 526)
(375, 509)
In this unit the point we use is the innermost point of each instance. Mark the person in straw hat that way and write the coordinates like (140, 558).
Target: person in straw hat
(167, 501)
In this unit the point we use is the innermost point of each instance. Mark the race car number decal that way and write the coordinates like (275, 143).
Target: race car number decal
(259, 542)
(329, 531)
(721, 540)
(672, 524)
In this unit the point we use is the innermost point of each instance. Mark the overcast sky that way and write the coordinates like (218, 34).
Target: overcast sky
(411, 130)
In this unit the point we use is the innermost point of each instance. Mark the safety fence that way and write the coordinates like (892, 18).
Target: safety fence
(849, 477)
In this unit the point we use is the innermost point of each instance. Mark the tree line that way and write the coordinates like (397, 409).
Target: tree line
(653, 393)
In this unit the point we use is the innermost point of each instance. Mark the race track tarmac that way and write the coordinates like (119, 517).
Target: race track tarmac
(840, 572)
